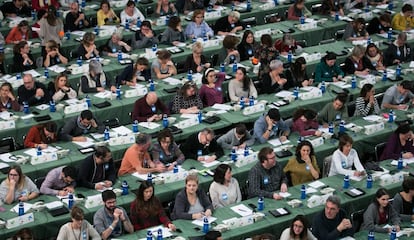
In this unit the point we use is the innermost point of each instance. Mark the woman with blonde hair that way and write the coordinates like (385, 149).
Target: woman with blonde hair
(78, 227)
(198, 27)
(60, 89)
(196, 62)
(17, 187)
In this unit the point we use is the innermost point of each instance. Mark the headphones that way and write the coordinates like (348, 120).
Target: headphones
(39, 206)
(20, 159)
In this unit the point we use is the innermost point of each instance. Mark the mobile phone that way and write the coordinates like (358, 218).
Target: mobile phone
(178, 230)
(80, 195)
(252, 205)
(197, 229)
(35, 113)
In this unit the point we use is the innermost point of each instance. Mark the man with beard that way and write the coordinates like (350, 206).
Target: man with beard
(111, 221)
(75, 19)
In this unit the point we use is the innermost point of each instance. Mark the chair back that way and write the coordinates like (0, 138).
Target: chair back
(327, 166)
(357, 218)
(379, 149)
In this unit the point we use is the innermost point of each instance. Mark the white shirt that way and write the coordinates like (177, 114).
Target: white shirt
(342, 164)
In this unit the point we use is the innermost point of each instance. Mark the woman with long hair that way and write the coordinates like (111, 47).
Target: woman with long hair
(166, 150)
(87, 49)
(198, 27)
(248, 45)
(241, 86)
(60, 89)
(22, 59)
(297, 10)
(174, 34)
(374, 55)
(196, 61)
(358, 63)
(51, 28)
(211, 91)
(163, 67)
(146, 209)
(17, 187)
(41, 135)
(299, 229)
(106, 15)
(305, 122)
(297, 75)
(366, 104)
(224, 190)
(19, 33)
(132, 74)
(187, 99)
(74, 230)
(52, 55)
(266, 52)
(399, 144)
(7, 98)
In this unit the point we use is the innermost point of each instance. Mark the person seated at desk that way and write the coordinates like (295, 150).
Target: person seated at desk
(97, 171)
(60, 89)
(299, 229)
(187, 99)
(198, 27)
(297, 75)
(22, 58)
(228, 54)
(16, 8)
(379, 24)
(192, 202)
(60, 181)
(374, 55)
(303, 167)
(345, 158)
(354, 4)
(287, 44)
(24, 233)
(236, 138)
(202, 146)
(165, 8)
(111, 220)
(398, 96)
(366, 104)
(134, 73)
(327, 70)
(248, 45)
(82, 124)
(137, 159)
(211, 91)
(87, 49)
(78, 226)
(399, 144)
(32, 92)
(166, 151)
(115, 45)
(106, 15)
(75, 19)
(192, 5)
(305, 122)
(147, 107)
(265, 53)
(7, 98)
(358, 63)
(267, 176)
(42, 4)
(403, 202)
(41, 135)
(228, 24)
(224, 190)
(275, 81)
(270, 125)
(297, 10)
(19, 33)
(196, 61)
(163, 67)
(241, 87)
(17, 187)
(174, 34)
(213, 235)
(380, 212)
(332, 223)
(331, 7)
(399, 51)
(403, 21)
(52, 55)
(145, 37)
(356, 30)
(334, 111)
(96, 80)
(131, 14)
(146, 210)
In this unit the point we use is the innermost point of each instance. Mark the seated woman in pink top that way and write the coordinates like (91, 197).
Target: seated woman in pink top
(211, 91)
(304, 122)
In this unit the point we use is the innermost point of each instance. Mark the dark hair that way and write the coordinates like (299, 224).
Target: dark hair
(195, 13)
(302, 219)
(150, 207)
(23, 23)
(274, 114)
(212, 235)
(220, 172)
(262, 155)
(60, 75)
(70, 171)
(40, 13)
(381, 192)
(7, 84)
(205, 74)
(266, 40)
(107, 195)
(357, 22)
(246, 80)
(142, 61)
(386, 17)
(105, 2)
(241, 129)
(365, 89)
(230, 42)
(86, 114)
(101, 151)
(329, 56)
(163, 54)
(186, 86)
(89, 36)
(173, 22)
(406, 8)
(343, 140)
(299, 147)
(165, 133)
(146, 23)
(77, 213)
(296, 68)
(142, 138)
(130, 3)
(342, 97)
(51, 18)
(245, 35)
(50, 127)
(264, 236)
(24, 233)
(18, 46)
(403, 128)
(408, 184)
(406, 85)
(19, 171)
(309, 114)
(372, 45)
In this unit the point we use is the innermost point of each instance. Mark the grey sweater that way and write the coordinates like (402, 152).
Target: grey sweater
(229, 140)
(398, 205)
(371, 218)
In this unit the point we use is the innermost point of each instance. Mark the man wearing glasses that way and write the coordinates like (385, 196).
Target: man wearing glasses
(202, 146)
(267, 176)
(85, 123)
(59, 181)
(33, 93)
(97, 171)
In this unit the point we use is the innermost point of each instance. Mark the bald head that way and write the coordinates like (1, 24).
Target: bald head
(151, 98)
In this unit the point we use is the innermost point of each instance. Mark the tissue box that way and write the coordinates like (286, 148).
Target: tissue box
(7, 124)
(75, 108)
(20, 220)
(316, 142)
(316, 93)
(45, 157)
(121, 140)
(307, 26)
(239, 222)
(254, 109)
(373, 128)
(244, 160)
(174, 177)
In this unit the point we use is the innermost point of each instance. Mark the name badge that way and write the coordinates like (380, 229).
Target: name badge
(224, 196)
(266, 180)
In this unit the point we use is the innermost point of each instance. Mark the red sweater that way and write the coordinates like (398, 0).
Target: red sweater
(36, 136)
(305, 128)
(142, 111)
(141, 220)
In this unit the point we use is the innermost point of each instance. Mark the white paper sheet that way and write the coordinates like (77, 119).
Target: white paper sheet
(5, 157)
(316, 184)
(276, 142)
(285, 194)
(188, 115)
(242, 210)
(210, 164)
(105, 94)
(5, 115)
(57, 68)
(172, 81)
(34, 73)
(42, 107)
(122, 130)
(224, 107)
(199, 222)
(165, 231)
(372, 118)
(3, 165)
(27, 116)
(149, 125)
(89, 142)
(283, 94)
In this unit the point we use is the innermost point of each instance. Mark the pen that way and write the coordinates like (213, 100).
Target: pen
(241, 210)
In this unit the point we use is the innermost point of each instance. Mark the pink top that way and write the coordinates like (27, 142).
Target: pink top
(305, 128)
(210, 96)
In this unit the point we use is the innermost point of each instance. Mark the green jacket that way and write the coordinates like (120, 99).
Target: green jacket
(323, 72)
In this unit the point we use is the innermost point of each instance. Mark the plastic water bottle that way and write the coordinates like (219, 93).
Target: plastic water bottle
(289, 56)
(154, 47)
(88, 101)
(194, 39)
(119, 55)
(200, 117)
(389, 35)
(296, 93)
(46, 72)
(398, 70)
(242, 102)
(127, 24)
(336, 16)
(384, 76)
(302, 19)
(52, 106)
(353, 82)
(390, 5)
(83, 3)
(21, 208)
(222, 68)
(67, 34)
(369, 181)
(393, 234)
(190, 75)
(106, 134)
(232, 6)
(151, 85)
(346, 182)
(149, 178)
(79, 61)
(199, 153)
(159, 234)
(391, 116)
(276, 2)
(303, 192)
(149, 235)
(369, 41)
(125, 187)
(165, 121)
(323, 87)
(248, 6)
(260, 204)
(251, 101)
(135, 126)
(167, 20)
(206, 225)
(175, 169)
(18, 76)
(96, 30)
(139, 22)
(371, 235)
(33, 15)
(26, 109)
(38, 151)
(400, 163)
(246, 151)
(70, 201)
(233, 155)
(342, 126)
(234, 67)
